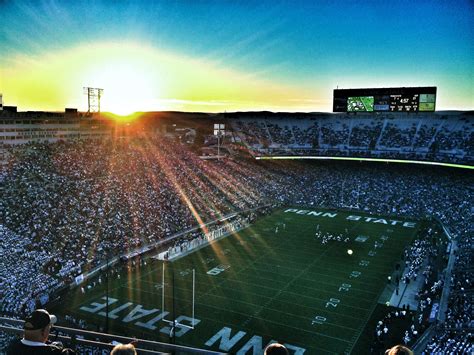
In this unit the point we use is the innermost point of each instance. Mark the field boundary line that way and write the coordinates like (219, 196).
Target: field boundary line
(258, 311)
(292, 314)
(237, 273)
(253, 304)
(307, 279)
(362, 327)
(285, 325)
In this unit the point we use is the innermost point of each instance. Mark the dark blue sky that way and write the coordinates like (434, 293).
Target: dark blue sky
(315, 45)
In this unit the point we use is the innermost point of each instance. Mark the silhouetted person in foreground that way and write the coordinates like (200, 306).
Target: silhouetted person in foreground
(399, 350)
(35, 341)
(276, 349)
(124, 349)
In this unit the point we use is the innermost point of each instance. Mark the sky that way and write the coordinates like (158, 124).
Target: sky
(216, 56)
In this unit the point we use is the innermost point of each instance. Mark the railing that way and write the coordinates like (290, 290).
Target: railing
(75, 338)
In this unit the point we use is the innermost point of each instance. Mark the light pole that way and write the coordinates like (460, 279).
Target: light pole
(107, 292)
(219, 131)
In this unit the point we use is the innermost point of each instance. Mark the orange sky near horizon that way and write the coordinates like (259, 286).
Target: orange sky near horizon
(141, 78)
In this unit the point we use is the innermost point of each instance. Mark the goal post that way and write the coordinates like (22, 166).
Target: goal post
(172, 322)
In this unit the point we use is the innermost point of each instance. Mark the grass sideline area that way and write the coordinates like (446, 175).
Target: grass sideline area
(273, 281)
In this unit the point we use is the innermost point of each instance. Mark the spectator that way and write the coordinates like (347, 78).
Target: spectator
(399, 350)
(124, 349)
(276, 349)
(36, 333)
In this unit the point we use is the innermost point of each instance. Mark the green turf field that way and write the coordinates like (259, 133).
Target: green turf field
(260, 285)
(360, 103)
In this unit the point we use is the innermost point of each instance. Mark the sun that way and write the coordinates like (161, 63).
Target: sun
(130, 77)
(127, 87)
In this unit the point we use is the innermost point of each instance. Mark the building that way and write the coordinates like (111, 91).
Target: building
(39, 126)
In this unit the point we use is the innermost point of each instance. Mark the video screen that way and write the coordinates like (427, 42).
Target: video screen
(427, 97)
(399, 99)
(360, 103)
(426, 106)
(427, 102)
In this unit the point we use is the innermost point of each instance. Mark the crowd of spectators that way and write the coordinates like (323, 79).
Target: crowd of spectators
(455, 335)
(426, 132)
(451, 139)
(365, 134)
(448, 341)
(62, 209)
(30, 280)
(397, 135)
(257, 132)
(65, 205)
(306, 136)
(442, 138)
(334, 135)
(282, 134)
(425, 261)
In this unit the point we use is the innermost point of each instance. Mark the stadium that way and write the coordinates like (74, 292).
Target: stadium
(229, 196)
(144, 228)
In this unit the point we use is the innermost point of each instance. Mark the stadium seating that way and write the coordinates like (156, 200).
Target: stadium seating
(444, 136)
(65, 204)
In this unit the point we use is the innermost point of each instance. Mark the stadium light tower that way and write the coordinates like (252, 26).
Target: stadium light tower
(219, 132)
(93, 99)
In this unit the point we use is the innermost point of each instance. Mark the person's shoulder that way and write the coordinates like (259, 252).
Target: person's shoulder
(14, 347)
(18, 348)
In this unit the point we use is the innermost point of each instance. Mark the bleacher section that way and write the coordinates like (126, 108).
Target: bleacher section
(441, 136)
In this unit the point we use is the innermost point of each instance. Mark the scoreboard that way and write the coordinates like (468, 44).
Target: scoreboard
(414, 99)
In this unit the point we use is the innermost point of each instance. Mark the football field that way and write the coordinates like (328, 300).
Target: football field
(274, 281)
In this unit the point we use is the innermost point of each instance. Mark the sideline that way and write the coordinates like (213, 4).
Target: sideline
(152, 247)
